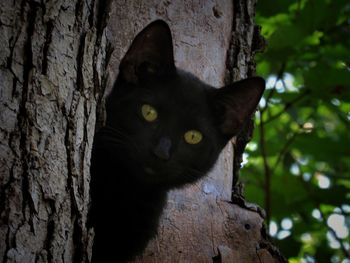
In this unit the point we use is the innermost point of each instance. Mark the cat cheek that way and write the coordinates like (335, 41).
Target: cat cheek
(149, 170)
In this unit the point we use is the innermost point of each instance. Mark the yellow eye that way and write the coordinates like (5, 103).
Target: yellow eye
(193, 137)
(149, 113)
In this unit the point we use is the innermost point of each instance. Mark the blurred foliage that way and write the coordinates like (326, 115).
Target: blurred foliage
(298, 165)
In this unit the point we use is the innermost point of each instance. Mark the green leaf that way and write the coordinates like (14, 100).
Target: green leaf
(271, 7)
(328, 82)
(288, 246)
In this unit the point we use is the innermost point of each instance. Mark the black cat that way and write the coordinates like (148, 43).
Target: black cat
(165, 128)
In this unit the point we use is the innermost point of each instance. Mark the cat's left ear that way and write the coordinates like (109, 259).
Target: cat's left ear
(234, 104)
(151, 53)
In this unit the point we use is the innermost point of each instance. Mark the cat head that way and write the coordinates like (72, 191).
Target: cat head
(171, 125)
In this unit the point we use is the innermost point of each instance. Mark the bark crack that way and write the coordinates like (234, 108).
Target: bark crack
(50, 231)
(78, 225)
(103, 8)
(24, 121)
(80, 59)
(79, 13)
(9, 61)
(3, 199)
(4, 212)
(92, 13)
(72, 173)
(48, 40)
(7, 244)
(83, 148)
(78, 239)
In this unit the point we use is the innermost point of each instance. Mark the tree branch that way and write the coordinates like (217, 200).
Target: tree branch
(288, 105)
(272, 91)
(284, 150)
(267, 173)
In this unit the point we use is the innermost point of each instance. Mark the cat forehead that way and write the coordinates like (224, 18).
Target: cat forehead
(182, 87)
(182, 91)
(189, 80)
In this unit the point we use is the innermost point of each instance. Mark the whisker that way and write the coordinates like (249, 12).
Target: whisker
(117, 136)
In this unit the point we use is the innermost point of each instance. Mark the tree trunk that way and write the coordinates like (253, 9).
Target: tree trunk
(53, 65)
(53, 73)
(215, 40)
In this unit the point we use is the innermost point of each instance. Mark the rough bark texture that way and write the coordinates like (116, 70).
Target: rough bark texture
(215, 40)
(52, 68)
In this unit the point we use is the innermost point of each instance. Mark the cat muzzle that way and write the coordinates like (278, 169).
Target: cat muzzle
(162, 150)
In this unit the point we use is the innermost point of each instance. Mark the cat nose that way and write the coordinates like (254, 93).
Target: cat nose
(162, 150)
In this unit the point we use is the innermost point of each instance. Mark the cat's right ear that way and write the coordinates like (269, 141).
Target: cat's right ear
(150, 54)
(234, 104)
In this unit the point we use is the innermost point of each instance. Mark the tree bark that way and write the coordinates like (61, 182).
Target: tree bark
(53, 58)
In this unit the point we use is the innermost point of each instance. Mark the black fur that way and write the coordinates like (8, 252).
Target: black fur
(130, 179)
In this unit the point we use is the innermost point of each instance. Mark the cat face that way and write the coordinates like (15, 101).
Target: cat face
(170, 125)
